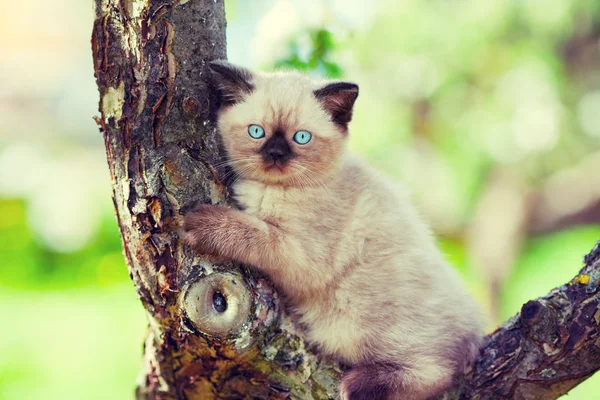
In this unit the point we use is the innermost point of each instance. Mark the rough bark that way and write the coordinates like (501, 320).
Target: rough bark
(162, 149)
(551, 346)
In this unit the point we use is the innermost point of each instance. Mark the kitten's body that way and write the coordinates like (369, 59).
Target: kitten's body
(345, 246)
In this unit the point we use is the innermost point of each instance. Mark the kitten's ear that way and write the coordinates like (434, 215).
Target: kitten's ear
(338, 100)
(233, 83)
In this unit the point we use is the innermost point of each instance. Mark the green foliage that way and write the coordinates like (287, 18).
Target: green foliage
(31, 265)
(318, 57)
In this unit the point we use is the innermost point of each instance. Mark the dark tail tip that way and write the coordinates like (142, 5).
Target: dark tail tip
(371, 382)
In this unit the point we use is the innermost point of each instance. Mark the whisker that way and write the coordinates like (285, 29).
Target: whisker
(312, 179)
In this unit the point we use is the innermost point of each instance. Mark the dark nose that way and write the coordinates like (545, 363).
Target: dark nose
(275, 153)
(276, 149)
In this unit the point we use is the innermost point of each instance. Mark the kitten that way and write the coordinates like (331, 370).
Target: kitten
(345, 246)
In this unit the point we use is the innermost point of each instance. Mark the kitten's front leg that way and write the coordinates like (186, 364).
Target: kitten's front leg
(242, 237)
(220, 231)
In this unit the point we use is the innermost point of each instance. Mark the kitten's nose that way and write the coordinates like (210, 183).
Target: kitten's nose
(275, 153)
(276, 149)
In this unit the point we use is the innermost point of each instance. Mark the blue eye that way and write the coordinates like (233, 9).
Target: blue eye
(256, 131)
(302, 137)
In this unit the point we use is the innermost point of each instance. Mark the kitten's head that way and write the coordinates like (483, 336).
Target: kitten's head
(282, 127)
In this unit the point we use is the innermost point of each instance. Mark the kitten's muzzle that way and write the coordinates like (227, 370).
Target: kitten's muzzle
(276, 150)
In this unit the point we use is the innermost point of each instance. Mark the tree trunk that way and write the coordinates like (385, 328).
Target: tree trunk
(157, 117)
(161, 144)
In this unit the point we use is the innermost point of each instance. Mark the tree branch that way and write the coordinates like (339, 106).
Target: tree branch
(551, 346)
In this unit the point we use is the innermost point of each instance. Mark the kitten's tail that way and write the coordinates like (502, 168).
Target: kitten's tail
(388, 381)
(371, 382)
(429, 377)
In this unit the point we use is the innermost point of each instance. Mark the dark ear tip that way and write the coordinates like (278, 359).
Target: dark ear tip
(231, 82)
(354, 88)
(350, 88)
(218, 65)
(343, 85)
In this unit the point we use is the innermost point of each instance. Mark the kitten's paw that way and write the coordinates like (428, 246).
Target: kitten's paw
(199, 227)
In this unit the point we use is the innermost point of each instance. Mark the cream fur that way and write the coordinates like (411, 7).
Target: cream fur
(343, 243)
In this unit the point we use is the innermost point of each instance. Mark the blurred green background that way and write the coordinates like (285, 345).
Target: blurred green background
(488, 110)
